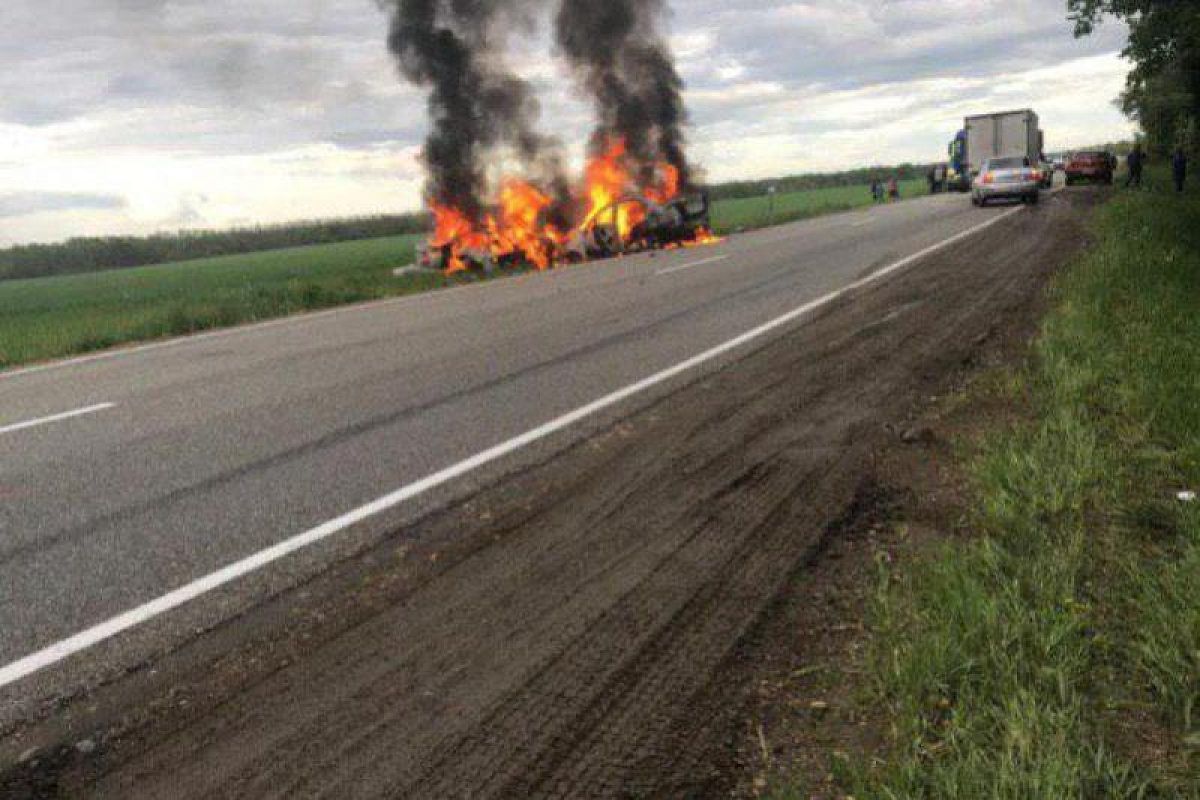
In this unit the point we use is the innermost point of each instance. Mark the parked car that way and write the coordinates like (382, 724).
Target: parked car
(1013, 178)
(1090, 165)
(1047, 170)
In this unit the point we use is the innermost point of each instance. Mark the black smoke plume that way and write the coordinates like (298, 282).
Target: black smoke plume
(475, 102)
(618, 50)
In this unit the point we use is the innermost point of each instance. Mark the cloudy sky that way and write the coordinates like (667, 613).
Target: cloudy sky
(130, 116)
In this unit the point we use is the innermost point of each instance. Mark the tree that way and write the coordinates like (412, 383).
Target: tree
(1162, 91)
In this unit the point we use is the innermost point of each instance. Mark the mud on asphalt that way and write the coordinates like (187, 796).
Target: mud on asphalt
(600, 625)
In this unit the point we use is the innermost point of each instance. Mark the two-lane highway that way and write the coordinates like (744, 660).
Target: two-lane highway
(131, 475)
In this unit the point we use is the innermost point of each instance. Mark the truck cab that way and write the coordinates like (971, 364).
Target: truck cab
(958, 171)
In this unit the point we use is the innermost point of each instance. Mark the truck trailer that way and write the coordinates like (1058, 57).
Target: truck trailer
(1004, 135)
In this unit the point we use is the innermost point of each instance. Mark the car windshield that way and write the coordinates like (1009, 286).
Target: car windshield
(1008, 163)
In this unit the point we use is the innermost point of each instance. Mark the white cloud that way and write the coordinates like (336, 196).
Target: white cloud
(215, 112)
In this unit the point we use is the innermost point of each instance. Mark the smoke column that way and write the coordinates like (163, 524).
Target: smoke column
(617, 48)
(475, 103)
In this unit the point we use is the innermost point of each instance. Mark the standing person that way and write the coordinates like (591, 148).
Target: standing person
(893, 189)
(932, 178)
(874, 190)
(1179, 168)
(1134, 161)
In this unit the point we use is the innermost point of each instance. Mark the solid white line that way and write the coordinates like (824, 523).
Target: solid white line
(81, 641)
(33, 423)
(699, 263)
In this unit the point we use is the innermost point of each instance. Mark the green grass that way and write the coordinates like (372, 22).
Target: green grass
(755, 212)
(1038, 659)
(48, 318)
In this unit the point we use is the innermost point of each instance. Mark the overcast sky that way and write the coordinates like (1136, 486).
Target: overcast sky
(129, 116)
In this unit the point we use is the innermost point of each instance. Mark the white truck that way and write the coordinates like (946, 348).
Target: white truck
(1004, 135)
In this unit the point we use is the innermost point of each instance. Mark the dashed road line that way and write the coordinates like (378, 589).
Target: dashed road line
(34, 423)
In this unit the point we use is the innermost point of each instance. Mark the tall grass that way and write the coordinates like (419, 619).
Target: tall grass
(49, 317)
(1036, 659)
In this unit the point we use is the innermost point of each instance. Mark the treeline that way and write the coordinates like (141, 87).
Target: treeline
(1162, 92)
(120, 252)
(737, 190)
(98, 254)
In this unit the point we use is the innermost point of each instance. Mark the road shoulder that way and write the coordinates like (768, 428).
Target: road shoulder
(586, 622)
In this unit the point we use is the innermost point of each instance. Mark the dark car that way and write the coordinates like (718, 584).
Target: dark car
(1090, 165)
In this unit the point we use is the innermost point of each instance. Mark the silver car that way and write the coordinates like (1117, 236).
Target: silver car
(1007, 178)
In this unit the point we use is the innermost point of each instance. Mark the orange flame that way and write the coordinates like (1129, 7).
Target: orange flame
(517, 229)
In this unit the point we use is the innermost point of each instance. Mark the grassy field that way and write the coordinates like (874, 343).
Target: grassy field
(50, 317)
(1058, 654)
(53, 317)
(755, 212)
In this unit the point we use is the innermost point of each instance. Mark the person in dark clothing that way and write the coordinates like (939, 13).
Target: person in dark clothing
(1179, 168)
(1134, 161)
(932, 178)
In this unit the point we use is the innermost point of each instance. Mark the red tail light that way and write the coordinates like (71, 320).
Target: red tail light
(989, 178)
(1035, 175)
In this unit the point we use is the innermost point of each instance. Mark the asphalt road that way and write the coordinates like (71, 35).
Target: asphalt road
(216, 447)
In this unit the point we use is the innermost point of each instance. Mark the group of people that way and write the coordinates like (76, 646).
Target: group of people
(884, 192)
(1136, 160)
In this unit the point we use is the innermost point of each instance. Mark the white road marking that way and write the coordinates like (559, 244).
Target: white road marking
(699, 263)
(60, 650)
(33, 423)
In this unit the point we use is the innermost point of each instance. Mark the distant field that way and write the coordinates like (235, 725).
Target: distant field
(48, 318)
(754, 212)
(51, 317)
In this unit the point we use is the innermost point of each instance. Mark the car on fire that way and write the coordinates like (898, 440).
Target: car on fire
(1089, 165)
(648, 225)
(680, 220)
(438, 258)
(1010, 178)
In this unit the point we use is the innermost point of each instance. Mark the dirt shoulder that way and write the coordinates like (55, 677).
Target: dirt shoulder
(809, 693)
(606, 620)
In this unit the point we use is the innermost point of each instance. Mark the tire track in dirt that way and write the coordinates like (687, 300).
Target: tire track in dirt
(626, 717)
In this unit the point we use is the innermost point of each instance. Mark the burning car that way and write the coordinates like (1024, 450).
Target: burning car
(635, 223)
(619, 207)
